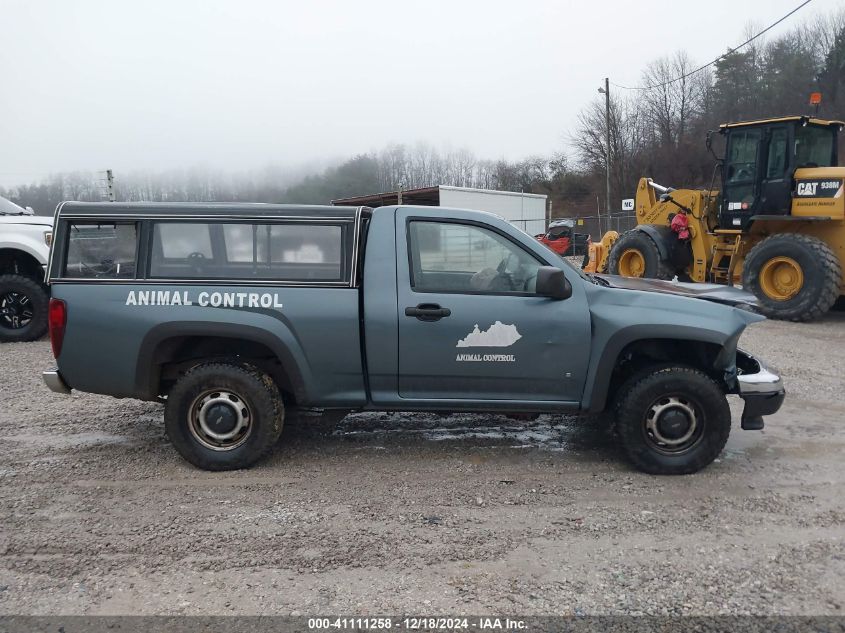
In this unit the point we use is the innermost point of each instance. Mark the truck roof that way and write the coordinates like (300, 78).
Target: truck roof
(215, 209)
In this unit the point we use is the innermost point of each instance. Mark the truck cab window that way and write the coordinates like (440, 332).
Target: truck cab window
(452, 257)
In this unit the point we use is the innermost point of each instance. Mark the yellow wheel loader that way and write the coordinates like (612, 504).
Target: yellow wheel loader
(776, 225)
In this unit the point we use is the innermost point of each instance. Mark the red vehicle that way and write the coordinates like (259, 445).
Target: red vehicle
(562, 240)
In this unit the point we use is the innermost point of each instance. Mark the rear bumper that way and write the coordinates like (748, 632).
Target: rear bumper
(53, 379)
(762, 390)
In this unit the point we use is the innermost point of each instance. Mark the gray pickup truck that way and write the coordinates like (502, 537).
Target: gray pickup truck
(231, 314)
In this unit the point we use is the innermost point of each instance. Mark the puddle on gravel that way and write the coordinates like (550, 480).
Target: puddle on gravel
(379, 431)
(533, 438)
(552, 433)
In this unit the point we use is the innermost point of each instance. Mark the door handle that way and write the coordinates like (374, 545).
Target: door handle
(428, 312)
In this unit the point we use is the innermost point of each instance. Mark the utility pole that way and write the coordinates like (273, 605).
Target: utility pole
(606, 92)
(598, 213)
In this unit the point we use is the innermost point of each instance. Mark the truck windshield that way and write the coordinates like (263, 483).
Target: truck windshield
(814, 146)
(577, 269)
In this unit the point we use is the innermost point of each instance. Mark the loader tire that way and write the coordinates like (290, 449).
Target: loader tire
(635, 254)
(794, 277)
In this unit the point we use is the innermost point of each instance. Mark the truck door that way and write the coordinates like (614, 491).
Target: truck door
(470, 325)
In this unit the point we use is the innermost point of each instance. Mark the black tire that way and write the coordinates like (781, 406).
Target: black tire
(257, 399)
(673, 391)
(655, 267)
(821, 269)
(23, 309)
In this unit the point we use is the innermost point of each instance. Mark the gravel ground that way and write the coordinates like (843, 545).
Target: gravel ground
(420, 513)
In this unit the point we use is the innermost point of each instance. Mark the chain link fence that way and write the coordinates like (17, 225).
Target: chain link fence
(597, 225)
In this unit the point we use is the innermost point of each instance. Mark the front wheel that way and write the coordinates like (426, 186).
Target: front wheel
(222, 416)
(672, 420)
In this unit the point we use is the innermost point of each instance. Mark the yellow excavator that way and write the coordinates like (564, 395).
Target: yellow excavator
(776, 225)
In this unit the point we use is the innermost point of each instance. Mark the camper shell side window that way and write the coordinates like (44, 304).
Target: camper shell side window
(100, 250)
(284, 251)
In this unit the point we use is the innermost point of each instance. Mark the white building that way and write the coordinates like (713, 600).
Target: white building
(526, 211)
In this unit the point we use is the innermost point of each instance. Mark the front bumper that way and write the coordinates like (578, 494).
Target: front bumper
(760, 388)
(53, 379)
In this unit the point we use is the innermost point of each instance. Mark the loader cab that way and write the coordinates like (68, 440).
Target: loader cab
(760, 162)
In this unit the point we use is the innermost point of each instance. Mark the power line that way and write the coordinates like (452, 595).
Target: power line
(732, 50)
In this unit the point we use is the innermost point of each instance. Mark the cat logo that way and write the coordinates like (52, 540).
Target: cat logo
(807, 188)
(819, 189)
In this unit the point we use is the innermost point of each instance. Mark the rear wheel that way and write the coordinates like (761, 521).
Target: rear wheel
(23, 309)
(794, 277)
(672, 420)
(222, 416)
(635, 254)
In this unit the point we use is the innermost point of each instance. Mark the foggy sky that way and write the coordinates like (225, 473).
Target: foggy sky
(158, 84)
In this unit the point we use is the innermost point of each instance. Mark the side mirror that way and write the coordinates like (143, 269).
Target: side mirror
(552, 283)
(709, 143)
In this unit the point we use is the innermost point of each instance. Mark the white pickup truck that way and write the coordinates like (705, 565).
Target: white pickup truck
(25, 240)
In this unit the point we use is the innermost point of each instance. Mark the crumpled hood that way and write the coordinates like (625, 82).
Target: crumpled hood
(710, 292)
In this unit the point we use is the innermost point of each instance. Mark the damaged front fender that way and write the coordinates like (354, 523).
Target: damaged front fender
(621, 318)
